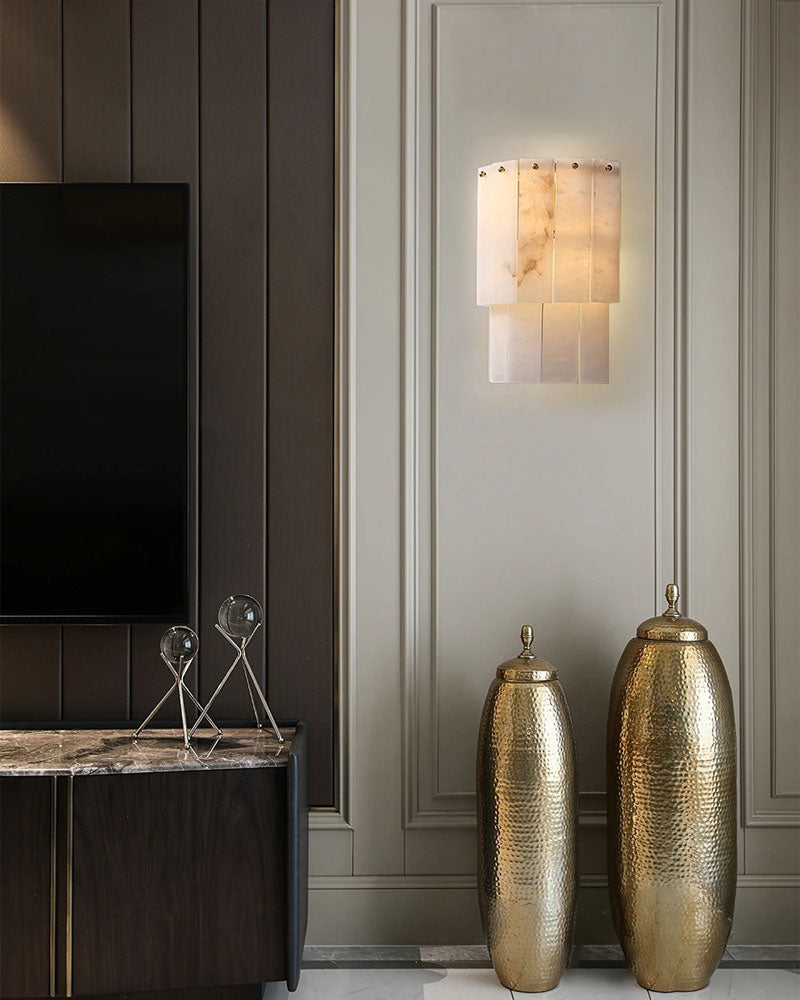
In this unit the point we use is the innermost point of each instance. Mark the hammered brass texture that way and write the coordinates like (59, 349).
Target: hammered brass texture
(672, 810)
(527, 825)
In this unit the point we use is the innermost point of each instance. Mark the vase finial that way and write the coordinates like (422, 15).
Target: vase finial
(526, 634)
(672, 593)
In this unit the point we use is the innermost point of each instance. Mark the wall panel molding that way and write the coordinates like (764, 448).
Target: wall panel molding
(344, 408)
(412, 856)
(765, 665)
(428, 800)
(300, 377)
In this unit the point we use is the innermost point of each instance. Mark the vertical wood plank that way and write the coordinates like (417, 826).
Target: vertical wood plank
(96, 90)
(95, 686)
(301, 377)
(30, 150)
(25, 811)
(30, 657)
(232, 328)
(96, 142)
(30, 90)
(164, 130)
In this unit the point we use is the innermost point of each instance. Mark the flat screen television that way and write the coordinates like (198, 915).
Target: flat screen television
(94, 414)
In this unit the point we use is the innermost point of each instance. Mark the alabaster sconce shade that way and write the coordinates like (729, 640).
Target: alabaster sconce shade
(548, 266)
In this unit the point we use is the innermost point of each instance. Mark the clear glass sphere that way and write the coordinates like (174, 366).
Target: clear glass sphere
(179, 641)
(239, 616)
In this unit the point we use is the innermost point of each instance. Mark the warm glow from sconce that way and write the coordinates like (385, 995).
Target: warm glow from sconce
(548, 265)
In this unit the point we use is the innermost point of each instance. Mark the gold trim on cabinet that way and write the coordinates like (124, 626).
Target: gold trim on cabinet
(53, 877)
(69, 887)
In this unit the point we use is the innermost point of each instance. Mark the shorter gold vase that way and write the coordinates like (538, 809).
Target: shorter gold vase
(527, 823)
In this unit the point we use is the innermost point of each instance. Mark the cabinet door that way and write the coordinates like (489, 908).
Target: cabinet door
(25, 909)
(179, 880)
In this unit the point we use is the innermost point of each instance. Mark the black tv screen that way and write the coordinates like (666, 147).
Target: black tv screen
(93, 402)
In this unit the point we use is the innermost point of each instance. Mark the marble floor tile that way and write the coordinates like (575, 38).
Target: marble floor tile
(450, 984)
(466, 984)
(482, 984)
(364, 984)
(744, 984)
(592, 984)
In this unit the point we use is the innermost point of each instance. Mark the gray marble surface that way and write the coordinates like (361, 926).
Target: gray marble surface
(57, 752)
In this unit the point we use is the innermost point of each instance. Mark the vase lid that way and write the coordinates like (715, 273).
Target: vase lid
(672, 625)
(527, 667)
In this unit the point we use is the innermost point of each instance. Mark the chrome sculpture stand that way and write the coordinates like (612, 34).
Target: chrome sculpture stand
(180, 684)
(250, 679)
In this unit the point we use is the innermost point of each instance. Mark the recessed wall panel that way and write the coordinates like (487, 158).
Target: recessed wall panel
(786, 411)
(512, 528)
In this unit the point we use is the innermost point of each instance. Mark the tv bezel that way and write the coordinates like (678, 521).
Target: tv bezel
(190, 517)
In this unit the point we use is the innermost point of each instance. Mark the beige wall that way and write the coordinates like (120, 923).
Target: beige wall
(469, 508)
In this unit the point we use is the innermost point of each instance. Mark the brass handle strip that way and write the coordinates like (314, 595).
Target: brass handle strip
(69, 887)
(53, 877)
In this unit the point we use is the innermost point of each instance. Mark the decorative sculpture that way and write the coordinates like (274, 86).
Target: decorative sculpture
(238, 620)
(179, 646)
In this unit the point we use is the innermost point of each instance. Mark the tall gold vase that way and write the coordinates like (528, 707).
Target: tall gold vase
(672, 803)
(527, 823)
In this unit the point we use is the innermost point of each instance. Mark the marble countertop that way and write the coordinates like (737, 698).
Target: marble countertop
(58, 752)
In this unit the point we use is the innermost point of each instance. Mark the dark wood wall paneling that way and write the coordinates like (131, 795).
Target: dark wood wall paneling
(301, 362)
(233, 358)
(165, 109)
(237, 100)
(30, 149)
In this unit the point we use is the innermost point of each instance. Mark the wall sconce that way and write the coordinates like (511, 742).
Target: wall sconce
(548, 265)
